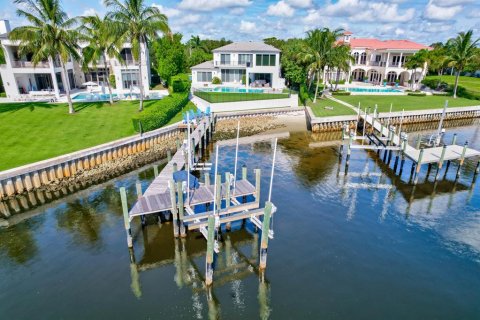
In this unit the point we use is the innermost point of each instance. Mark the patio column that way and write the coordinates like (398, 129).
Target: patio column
(388, 59)
(247, 79)
(400, 60)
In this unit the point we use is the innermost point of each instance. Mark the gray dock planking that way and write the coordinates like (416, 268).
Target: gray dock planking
(430, 155)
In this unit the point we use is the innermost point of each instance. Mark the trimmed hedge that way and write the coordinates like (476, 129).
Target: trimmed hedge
(218, 97)
(160, 113)
(417, 94)
(441, 94)
(303, 94)
(341, 93)
(3, 95)
(179, 83)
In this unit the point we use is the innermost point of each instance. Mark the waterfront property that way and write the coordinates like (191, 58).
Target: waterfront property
(378, 61)
(21, 78)
(235, 63)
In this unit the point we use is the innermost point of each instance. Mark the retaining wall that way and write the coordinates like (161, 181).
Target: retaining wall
(240, 106)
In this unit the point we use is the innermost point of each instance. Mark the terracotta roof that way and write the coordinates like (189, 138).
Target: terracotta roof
(386, 44)
(347, 33)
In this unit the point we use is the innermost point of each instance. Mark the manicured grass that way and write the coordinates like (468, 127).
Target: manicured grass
(216, 97)
(32, 132)
(405, 102)
(178, 117)
(470, 83)
(319, 110)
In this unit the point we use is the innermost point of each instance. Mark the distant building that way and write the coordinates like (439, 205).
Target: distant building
(256, 61)
(21, 76)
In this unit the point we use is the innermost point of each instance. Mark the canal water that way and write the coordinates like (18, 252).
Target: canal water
(365, 245)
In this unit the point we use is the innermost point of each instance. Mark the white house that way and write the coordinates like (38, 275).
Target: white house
(377, 60)
(257, 61)
(21, 76)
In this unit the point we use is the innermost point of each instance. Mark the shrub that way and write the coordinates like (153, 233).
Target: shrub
(160, 112)
(441, 93)
(111, 79)
(216, 80)
(417, 94)
(3, 95)
(303, 93)
(179, 83)
(341, 93)
(244, 79)
(338, 82)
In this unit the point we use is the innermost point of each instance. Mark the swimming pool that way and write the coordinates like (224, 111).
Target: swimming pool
(106, 96)
(232, 90)
(372, 90)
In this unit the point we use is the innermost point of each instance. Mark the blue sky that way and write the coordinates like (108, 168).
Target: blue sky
(423, 21)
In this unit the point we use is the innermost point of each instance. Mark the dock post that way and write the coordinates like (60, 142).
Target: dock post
(244, 172)
(207, 178)
(177, 142)
(454, 139)
(265, 230)
(200, 147)
(440, 162)
(173, 200)
(174, 165)
(227, 197)
(419, 140)
(138, 187)
(341, 144)
(210, 252)
(257, 184)
(126, 218)
(155, 171)
(462, 158)
(419, 165)
(350, 140)
(181, 209)
(169, 155)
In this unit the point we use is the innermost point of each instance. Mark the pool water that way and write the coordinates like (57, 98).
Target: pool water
(372, 90)
(232, 90)
(101, 96)
(383, 251)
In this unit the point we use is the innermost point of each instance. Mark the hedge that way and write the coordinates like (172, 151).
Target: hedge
(3, 95)
(160, 113)
(180, 83)
(417, 94)
(341, 93)
(218, 97)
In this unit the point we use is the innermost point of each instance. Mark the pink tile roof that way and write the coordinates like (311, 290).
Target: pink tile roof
(386, 44)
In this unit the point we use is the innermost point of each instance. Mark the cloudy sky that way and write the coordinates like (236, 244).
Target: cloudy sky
(423, 21)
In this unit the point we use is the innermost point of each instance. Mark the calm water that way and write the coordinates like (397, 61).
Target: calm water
(340, 251)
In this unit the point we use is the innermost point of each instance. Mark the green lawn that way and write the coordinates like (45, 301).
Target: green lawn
(216, 97)
(32, 132)
(338, 109)
(405, 102)
(470, 83)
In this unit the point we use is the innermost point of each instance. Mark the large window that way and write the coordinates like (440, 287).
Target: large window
(204, 76)
(265, 60)
(129, 79)
(245, 59)
(225, 58)
(232, 75)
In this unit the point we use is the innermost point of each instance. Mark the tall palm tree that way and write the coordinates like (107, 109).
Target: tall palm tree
(414, 62)
(102, 42)
(340, 59)
(319, 44)
(461, 51)
(50, 35)
(137, 23)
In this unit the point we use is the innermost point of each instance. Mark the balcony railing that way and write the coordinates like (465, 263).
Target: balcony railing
(30, 64)
(233, 64)
(378, 63)
(128, 62)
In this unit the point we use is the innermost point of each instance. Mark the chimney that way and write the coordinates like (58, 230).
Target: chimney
(346, 36)
(4, 26)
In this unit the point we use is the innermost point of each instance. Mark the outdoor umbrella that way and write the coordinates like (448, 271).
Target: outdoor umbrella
(183, 176)
(89, 84)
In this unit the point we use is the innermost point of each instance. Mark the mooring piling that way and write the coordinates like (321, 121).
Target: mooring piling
(126, 218)
(440, 162)
(138, 187)
(155, 171)
(264, 238)
(181, 208)
(454, 139)
(210, 250)
(173, 200)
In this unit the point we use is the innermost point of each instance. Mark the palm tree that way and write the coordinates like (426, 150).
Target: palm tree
(341, 59)
(319, 44)
(418, 60)
(196, 43)
(461, 51)
(101, 43)
(138, 24)
(51, 35)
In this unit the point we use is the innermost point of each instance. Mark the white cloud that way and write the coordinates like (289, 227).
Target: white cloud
(169, 12)
(449, 3)
(247, 26)
(434, 12)
(280, 9)
(399, 31)
(474, 13)
(90, 12)
(187, 19)
(366, 11)
(237, 11)
(208, 5)
(300, 3)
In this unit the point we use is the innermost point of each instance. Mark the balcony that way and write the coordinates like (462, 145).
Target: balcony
(378, 63)
(125, 62)
(233, 64)
(30, 64)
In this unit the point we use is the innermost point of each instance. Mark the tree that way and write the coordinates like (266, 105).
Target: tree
(293, 69)
(461, 52)
(418, 60)
(340, 59)
(50, 35)
(196, 43)
(137, 24)
(319, 44)
(101, 43)
(277, 43)
(169, 56)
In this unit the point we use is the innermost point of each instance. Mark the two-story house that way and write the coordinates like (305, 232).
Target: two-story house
(21, 76)
(234, 63)
(378, 60)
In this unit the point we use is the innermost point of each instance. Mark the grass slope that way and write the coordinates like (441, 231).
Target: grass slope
(32, 132)
(319, 110)
(216, 97)
(470, 83)
(405, 102)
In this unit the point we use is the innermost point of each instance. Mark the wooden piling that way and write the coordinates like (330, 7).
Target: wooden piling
(169, 155)
(264, 239)
(181, 208)
(155, 171)
(227, 197)
(210, 250)
(207, 178)
(244, 173)
(138, 188)
(126, 218)
(173, 200)
(258, 173)
(440, 162)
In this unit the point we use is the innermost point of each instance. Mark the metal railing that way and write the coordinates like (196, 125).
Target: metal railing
(30, 64)
(233, 64)
(219, 97)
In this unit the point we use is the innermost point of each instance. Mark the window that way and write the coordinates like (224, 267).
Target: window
(129, 79)
(245, 59)
(204, 76)
(225, 58)
(355, 56)
(265, 60)
(232, 75)
(363, 58)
